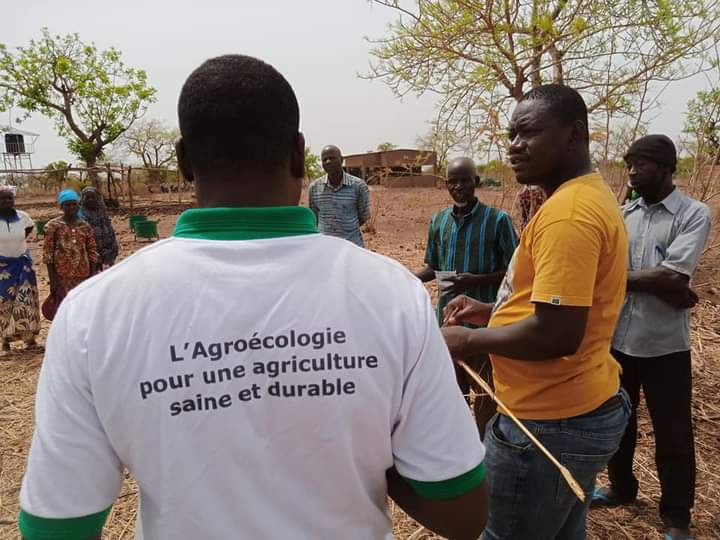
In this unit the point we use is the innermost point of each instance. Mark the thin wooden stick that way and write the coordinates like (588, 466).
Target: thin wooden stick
(567, 475)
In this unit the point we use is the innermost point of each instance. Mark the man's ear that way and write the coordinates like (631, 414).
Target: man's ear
(578, 135)
(297, 157)
(477, 181)
(183, 160)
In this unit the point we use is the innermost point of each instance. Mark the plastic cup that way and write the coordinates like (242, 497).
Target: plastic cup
(444, 285)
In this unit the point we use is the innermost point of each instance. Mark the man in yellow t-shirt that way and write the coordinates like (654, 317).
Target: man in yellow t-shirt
(550, 330)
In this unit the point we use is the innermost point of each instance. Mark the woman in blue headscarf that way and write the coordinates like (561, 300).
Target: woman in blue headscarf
(69, 249)
(19, 306)
(93, 210)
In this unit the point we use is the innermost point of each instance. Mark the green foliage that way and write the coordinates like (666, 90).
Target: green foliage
(491, 171)
(77, 183)
(54, 174)
(480, 56)
(488, 181)
(702, 123)
(313, 167)
(440, 140)
(495, 166)
(685, 167)
(56, 166)
(152, 143)
(386, 147)
(90, 94)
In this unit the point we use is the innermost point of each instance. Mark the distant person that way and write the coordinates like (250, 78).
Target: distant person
(19, 305)
(340, 201)
(550, 330)
(94, 212)
(668, 231)
(69, 251)
(529, 200)
(469, 248)
(288, 411)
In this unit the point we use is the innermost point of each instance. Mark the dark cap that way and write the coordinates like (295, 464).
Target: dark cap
(657, 148)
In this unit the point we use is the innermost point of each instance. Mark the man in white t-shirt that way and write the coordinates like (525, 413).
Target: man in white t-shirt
(247, 398)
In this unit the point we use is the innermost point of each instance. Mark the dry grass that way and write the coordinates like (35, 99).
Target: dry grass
(401, 229)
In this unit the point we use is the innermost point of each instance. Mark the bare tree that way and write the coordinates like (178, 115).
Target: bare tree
(481, 55)
(153, 143)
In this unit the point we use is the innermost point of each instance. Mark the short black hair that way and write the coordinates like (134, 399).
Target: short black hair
(564, 102)
(238, 110)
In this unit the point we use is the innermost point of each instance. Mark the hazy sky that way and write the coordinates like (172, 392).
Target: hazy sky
(317, 44)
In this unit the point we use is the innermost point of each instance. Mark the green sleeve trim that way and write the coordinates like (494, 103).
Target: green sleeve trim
(451, 488)
(79, 528)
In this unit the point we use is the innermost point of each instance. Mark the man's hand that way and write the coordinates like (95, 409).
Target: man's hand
(680, 299)
(668, 285)
(549, 333)
(426, 274)
(462, 283)
(463, 309)
(457, 339)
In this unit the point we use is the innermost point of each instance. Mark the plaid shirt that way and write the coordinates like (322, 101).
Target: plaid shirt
(341, 211)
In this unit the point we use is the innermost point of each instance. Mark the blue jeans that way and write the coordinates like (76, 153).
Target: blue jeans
(529, 498)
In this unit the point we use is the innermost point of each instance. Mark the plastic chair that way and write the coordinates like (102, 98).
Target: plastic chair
(134, 219)
(146, 229)
(40, 227)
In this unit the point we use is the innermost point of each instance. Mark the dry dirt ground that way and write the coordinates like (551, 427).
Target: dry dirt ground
(400, 223)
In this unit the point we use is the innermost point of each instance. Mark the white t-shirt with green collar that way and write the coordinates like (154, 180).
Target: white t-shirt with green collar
(257, 379)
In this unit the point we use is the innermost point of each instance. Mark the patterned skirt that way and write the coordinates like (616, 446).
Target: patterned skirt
(19, 304)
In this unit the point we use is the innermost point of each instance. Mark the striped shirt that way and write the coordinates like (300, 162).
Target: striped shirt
(341, 211)
(481, 242)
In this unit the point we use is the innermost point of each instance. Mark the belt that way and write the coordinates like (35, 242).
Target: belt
(613, 403)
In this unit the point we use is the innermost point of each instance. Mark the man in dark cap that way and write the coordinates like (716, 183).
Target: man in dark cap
(667, 231)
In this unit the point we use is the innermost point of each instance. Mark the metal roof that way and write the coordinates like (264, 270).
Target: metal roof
(11, 130)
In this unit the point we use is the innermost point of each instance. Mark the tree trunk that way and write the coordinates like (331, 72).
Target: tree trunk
(91, 164)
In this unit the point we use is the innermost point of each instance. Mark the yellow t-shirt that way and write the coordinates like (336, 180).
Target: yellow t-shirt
(572, 253)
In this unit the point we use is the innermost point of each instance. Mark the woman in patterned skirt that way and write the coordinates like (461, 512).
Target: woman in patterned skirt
(19, 306)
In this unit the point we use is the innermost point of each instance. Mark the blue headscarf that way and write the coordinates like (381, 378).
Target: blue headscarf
(68, 195)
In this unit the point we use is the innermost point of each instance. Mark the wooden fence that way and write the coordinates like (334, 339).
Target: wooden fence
(115, 182)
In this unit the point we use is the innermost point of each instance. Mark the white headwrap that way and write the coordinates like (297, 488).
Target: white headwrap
(11, 189)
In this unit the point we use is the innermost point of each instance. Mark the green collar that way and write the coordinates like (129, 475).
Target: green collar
(245, 223)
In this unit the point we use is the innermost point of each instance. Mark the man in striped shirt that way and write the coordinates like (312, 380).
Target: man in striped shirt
(476, 243)
(340, 201)
(469, 238)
